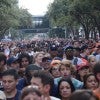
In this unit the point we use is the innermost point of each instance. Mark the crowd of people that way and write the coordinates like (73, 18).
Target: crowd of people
(53, 69)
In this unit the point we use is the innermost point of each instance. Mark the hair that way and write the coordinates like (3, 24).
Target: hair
(90, 56)
(29, 90)
(38, 53)
(86, 77)
(3, 58)
(83, 95)
(66, 63)
(11, 72)
(24, 55)
(68, 80)
(45, 77)
(96, 68)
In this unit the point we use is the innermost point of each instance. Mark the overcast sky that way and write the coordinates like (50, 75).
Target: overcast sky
(35, 7)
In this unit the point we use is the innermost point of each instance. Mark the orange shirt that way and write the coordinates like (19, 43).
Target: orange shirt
(97, 93)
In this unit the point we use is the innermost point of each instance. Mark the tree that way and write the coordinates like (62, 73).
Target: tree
(10, 15)
(72, 13)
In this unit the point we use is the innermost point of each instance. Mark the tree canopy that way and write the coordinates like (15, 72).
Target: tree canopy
(12, 16)
(76, 13)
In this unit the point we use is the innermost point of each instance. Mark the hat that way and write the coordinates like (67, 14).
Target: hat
(11, 60)
(68, 48)
(55, 62)
(53, 47)
(83, 64)
(46, 59)
(84, 47)
(77, 48)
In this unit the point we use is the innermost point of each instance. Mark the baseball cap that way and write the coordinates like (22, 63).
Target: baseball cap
(11, 60)
(69, 48)
(83, 64)
(55, 62)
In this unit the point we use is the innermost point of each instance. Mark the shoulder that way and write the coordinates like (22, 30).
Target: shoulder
(54, 98)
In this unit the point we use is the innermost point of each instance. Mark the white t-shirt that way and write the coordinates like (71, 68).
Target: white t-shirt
(54, 98)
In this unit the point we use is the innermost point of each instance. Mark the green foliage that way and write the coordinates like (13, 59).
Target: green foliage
(72, 13)
(11, 15)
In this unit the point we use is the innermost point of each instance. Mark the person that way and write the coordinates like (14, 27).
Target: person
(84, 52)
(65, 88)
(2, 67)
(90, 81)
(44, 81)
(69, 53)
(10, 79)
(96, 71)
(24, 61)
(25, 81)
(12, 63)
(65, 68)
(54, 70)
(38, 59)
(83, 95)
(2, 96)
(46, 63)
(92, 61)
(30, 93)
(82, 70)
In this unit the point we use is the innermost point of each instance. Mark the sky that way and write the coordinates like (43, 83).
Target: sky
(35, 7)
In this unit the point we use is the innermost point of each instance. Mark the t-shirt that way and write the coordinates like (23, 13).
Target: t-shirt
(16, 96)
(97, 93)
(54, 98)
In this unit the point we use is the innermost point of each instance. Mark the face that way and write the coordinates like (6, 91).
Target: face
(65, 71)
(76, 44)
(69, 53)
(65, 89)
(39, 58)
(83, 71)
(55, 71)
(37, 82)
(92, 61)
(45, 65)
(32, 96)
(91, 82)
(24, 62)
(15, 65)
(9, 83)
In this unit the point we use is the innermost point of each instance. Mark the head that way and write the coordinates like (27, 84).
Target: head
(90, 82)
(46, 63)
(38, 57)
(77, 52)
(43, 80)
(29, 71)
(76, 44)
(30, 93)
(2, 59)
(10, 80)
(96, 71)
(65, 68)
(83, 95)
(13, 63)
(92, 61)
(54, 70)
(24, 60)
(69, 52)
(83, 69)
(65, 87)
